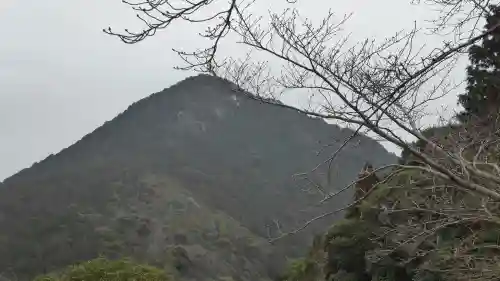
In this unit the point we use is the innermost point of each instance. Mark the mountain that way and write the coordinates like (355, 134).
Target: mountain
(196, 178)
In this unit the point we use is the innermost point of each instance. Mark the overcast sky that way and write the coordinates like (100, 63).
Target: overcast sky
(61, 76)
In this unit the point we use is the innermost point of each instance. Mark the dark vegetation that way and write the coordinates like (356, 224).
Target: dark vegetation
(483, 74)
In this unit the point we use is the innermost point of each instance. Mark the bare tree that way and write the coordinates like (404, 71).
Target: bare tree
(380, 88)
(459, 17)
(161, 14)
(449, 230)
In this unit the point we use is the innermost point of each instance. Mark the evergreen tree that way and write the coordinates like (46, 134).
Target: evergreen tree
(483, 73)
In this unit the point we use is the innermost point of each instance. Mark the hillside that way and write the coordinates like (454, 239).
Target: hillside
(195, 177)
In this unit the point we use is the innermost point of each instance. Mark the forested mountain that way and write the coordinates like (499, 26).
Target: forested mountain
(195, 178)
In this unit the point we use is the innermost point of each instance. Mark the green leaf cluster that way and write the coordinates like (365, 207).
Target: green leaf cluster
(102, 269)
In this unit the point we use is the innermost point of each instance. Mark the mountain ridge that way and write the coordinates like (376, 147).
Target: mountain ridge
(227, 151)
(158, 95)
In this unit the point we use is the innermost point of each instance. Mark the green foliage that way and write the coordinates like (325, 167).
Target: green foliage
(431, 132)
(346, 243)
(349, 242)
(368, 208)
(101, 269)
(483, 82)
(300, 270)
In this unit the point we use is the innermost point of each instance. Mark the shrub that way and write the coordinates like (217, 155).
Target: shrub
(101, 269)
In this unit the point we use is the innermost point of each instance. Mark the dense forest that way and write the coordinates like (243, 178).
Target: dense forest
(194, 179)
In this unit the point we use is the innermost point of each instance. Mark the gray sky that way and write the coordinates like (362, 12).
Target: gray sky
(61, 76)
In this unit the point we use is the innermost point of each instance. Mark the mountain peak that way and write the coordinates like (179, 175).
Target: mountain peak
(127, 182)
